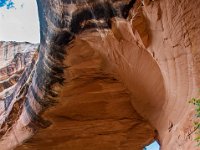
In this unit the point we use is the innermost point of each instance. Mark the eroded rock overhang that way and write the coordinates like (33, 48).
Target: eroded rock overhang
(139, 56)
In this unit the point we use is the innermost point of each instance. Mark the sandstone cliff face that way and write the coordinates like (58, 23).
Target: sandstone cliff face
(109, 75)
(17, 66)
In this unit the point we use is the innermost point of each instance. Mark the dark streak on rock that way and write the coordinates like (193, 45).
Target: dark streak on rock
(127, 8)
(52, 54)
(97, 11)
(36, 120)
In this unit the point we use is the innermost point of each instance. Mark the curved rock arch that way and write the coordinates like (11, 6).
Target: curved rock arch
(87, 48)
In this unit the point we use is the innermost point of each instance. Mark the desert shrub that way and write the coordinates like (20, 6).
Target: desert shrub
(196, 103)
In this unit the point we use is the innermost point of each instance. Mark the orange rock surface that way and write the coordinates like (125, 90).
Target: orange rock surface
(116, 82)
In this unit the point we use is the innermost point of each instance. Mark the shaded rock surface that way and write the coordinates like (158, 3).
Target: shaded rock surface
(109, 75)
(94, 109)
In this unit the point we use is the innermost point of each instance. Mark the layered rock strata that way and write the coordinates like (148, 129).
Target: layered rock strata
(17, 68)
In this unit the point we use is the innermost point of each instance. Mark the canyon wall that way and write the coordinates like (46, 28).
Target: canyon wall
(17, 67)
(110, 74)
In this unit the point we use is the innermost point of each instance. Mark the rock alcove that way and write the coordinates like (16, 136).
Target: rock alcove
(107, 75)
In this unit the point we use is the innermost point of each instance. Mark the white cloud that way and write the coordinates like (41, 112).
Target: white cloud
(20, 23)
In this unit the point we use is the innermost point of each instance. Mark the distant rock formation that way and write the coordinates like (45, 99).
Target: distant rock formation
(17, 68)
(109, 75)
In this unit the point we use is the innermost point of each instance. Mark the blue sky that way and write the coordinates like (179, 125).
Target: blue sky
(19, 21)
(153, 146)
(7, 3)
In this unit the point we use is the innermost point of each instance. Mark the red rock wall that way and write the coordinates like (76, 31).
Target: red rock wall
(109, 79)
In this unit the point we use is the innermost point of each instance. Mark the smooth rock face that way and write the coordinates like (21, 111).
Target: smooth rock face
(94, 110)
(110, 75)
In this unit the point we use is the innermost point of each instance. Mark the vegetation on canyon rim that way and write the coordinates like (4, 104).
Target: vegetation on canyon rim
(196, 102)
